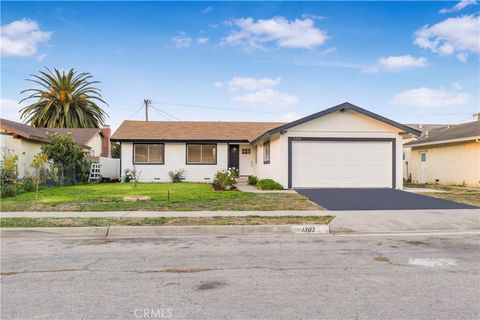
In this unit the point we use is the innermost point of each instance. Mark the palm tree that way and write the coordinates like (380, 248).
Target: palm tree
(65, 100)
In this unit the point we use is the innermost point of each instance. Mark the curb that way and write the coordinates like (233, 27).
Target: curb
(160, 231)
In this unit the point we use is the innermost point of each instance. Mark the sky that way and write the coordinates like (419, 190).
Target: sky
(413, 62)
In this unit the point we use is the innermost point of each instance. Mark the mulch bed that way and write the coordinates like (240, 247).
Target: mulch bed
(216, 187)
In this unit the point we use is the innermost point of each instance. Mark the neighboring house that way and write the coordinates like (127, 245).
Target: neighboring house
(424, 129)
(25, 141)
(343, 146)
(447, 155)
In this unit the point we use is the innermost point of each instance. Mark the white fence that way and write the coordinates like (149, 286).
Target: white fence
(110, 168)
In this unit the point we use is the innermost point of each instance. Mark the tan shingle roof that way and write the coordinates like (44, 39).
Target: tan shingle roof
(450, 132)
(192, 130)
(81, 136)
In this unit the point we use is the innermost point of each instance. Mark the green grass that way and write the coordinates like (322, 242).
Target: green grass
(460, 194)
(183, 197)
(208, 221)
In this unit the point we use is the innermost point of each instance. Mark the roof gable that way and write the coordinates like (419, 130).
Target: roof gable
(341, 107)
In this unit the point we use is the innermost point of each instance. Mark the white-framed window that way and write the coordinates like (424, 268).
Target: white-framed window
(148, 153)
(423, 156)
(201, 154)
(266, 152)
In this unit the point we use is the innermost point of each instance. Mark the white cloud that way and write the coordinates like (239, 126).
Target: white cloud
(291, 116)
(396, 64)
(247, 83)
(459, 6)
(460, 36)
(312, 16)
(182, 40)
(21, 38)
(267, 96)
(202, 40)
(430, 98)
(284, 33)
(207, 10)
(218, 84)
(9, 109)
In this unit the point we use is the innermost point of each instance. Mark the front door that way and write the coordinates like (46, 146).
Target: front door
(233, 156)
(246, 161)
(422, 177)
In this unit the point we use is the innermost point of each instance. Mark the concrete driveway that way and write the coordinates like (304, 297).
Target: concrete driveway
(376, 199)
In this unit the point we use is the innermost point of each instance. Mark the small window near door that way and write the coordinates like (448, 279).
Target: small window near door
(266, 152)
(246, 151)
(423, 157)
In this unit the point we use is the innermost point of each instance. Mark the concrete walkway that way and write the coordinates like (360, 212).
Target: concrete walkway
(391, 221)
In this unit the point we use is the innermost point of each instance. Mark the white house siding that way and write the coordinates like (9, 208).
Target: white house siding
(24, 149)
(348, 124)
(175, 158)
(95, 143)
(273, 169)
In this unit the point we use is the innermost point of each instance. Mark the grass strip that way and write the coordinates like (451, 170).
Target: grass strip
(160, 221)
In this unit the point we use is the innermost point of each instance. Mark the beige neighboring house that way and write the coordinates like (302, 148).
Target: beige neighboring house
(446, 155)
(25, 141)
(341, 147)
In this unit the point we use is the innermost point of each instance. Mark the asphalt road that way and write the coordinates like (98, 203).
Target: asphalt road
(262, 277)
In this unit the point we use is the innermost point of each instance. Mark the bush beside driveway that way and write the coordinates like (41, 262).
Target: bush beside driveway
(165, 197)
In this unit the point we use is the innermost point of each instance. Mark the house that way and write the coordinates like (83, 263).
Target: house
(447, 155)
(26, 141)
(424, 129)
(343, 146)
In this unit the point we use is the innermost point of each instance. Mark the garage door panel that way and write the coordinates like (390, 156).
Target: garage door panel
(341, 164)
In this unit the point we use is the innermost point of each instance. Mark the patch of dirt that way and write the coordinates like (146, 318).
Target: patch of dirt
(417, 243)
(381, 258)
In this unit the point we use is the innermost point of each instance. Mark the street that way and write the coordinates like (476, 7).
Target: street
(242, 277)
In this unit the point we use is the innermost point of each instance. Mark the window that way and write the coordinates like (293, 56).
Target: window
(148, 153)
(246, 151)
(423, 157)
(201, 154)
(266, 152)
(256, 154)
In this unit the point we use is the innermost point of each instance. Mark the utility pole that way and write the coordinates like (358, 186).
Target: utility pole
(147, 102)
(477, 116)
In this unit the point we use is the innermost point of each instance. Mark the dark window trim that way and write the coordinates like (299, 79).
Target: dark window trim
(392, 140)
(269, 152)
(200, 163)
(147, 163)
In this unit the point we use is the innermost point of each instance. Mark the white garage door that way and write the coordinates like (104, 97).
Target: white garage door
(333, 164)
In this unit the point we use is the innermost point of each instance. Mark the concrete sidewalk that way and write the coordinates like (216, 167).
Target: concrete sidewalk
(392, 221)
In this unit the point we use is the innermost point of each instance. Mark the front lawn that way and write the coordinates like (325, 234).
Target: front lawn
(165, 197)
(466, 195)
(161, 221)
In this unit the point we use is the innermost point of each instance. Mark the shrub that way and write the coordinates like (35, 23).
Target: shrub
(127, 175)
(176, 175)
(27, 185)
(269, 184)
(9, 169)
(9, 190)
(226, 179)
(252, 180)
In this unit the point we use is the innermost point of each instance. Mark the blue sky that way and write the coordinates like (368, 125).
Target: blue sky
(253, 61)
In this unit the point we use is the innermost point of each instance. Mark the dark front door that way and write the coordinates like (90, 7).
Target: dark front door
(233, 156)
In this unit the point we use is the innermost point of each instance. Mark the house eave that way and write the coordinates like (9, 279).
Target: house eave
(433, 143)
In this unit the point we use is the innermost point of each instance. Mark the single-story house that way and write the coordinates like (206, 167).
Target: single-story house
(424, 129)
(25, 141)
(447, 155)
(343, 146)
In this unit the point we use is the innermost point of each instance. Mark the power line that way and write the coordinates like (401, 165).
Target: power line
(135, 113)
(212, 107)
(165, 114)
